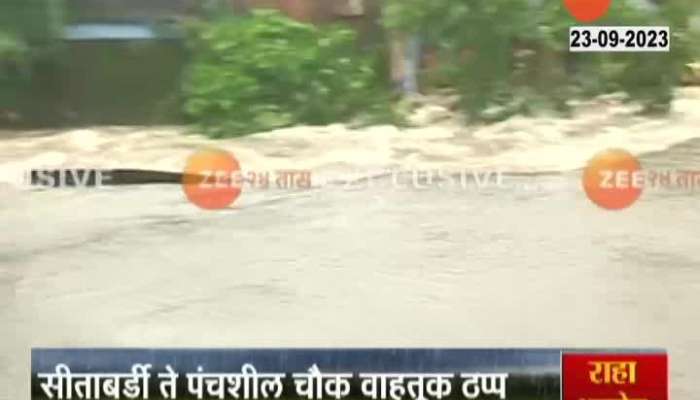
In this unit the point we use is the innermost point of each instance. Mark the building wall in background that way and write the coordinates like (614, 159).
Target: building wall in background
(131, 10)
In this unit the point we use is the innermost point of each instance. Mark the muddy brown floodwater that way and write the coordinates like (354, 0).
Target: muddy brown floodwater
(531, 264)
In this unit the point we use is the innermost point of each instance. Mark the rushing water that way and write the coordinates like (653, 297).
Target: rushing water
(531, 264)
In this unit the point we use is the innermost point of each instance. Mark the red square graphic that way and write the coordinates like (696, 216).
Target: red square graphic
(614, 376)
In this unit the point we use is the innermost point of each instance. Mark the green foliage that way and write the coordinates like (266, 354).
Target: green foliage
(28, 35)
(648, 78)
(266, 71)
(13, 71)
(512, 55)
(13, 52)
(37, 22)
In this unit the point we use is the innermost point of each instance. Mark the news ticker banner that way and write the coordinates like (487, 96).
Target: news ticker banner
(377, 374)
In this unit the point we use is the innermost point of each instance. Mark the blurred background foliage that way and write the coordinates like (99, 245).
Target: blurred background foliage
(263, 71)
(259, 70)
(36, 21)
(29, 46)
(511, 56)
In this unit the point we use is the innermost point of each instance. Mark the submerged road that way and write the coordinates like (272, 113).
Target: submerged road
(353, 266)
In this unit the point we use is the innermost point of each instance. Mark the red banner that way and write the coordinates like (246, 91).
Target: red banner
(615, 376)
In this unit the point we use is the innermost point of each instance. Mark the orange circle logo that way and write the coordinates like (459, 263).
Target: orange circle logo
(211, 179)
(587, 10)
(613, 179)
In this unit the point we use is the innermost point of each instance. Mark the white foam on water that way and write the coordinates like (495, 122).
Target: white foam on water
(344, 268)
(519, 144)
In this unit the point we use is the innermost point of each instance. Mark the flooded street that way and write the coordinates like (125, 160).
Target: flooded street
(531, 264)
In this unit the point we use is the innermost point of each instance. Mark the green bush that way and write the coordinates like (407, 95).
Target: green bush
(648, 78)
(264, 71)
(35, 21)
(14, 56)
(29, 31)
(512, 55)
